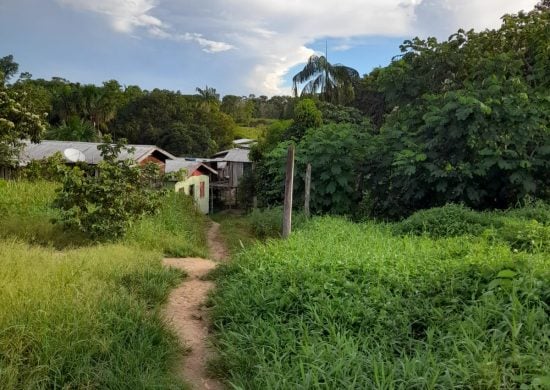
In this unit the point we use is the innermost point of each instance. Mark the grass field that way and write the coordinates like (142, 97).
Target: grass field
(74, 314)
(250, 132)
(342, 305)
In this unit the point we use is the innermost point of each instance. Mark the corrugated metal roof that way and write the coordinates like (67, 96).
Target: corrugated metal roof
(92, 154)
(233, 155)
(244, 141)
(191, 166)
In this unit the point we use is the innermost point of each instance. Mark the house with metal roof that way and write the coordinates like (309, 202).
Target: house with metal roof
(85, 152)
(89, 152)
(192, 178)
(231, 165)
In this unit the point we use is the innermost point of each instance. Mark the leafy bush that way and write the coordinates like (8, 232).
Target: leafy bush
(18, 122)
(538, 211)
(104, 205)
(269, 222)
(514, 227)
(53, 168)
(447, 221)
(525, 235)
(343, 305)
(335, 152)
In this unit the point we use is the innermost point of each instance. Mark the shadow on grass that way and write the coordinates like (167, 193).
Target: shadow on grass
(38, 230)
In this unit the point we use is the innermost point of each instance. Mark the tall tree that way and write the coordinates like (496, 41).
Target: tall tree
(8, 68)
(332, 83)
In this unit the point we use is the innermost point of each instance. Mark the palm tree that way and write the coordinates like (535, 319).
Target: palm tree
(208, 94)
(332, 83)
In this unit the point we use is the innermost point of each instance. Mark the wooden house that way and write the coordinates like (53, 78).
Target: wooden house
(230, 165)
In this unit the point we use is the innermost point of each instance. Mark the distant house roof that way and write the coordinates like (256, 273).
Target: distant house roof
(91, 153)
(244, 142)
(232, 155)
(191, 166)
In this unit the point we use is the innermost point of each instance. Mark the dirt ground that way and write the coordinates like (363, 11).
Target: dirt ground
(186, 313)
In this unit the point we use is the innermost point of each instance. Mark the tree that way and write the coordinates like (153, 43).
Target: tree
(17, 123)
(332, 83)
(306, 116)
(74, 129)
(8, 67)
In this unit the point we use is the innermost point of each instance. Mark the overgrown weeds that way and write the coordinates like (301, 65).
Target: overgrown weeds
(343, 305)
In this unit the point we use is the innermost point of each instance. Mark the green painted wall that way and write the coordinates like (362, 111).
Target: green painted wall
(202, 203)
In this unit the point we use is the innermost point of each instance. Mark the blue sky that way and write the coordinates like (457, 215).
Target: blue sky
(236, 46)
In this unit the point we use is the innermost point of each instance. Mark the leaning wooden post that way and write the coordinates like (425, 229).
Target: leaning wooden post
(308, 188)
(289, 179)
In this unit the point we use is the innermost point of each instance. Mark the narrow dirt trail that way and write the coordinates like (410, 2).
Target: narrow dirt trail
(186, 313)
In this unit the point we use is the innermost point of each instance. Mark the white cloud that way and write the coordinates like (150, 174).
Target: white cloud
(269, 37)
(128, 15)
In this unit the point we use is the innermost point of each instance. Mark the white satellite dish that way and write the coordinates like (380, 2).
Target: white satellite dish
(74, 155)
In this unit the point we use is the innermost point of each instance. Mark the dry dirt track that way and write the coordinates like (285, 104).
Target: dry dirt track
(186, 313)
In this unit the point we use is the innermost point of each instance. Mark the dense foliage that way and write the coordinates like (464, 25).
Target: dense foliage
(343, 305)
(466, 120)
(183, 125)
(18, 122)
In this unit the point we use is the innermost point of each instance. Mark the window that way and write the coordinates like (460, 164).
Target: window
(202, 190)
(192, 191)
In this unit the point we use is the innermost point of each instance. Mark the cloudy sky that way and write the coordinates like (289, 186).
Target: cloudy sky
(236, 46)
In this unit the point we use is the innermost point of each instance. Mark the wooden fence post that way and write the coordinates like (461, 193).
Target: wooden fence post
(289, 179)
(308, 189)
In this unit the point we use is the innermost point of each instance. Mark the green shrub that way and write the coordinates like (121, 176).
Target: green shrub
(26, 211)
(350, 306)
(525, 235)
(538, 211)
(519, 228)
(447, 221)
(53, 168)
(103, 205)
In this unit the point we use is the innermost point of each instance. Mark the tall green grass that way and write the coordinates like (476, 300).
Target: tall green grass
(84, 318)
(76, 314)
(352, 306)
(177, 230)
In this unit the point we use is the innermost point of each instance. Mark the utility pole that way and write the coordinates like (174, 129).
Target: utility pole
(289, 181)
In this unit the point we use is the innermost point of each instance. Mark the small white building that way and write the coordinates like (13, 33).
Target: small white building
(193, 178)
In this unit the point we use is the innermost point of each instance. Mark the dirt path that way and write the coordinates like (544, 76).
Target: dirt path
(186, 313)
(218, 250)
